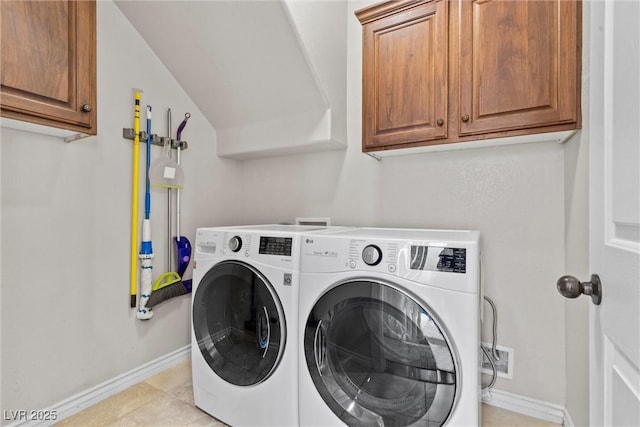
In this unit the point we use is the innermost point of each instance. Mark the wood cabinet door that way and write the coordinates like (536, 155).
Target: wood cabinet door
(519, 64)
(404, 73)
(49, 63)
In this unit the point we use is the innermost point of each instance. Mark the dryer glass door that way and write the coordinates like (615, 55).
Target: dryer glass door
(378, 357)
(239, 323)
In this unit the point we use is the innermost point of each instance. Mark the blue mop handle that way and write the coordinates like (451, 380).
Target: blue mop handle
(146, 248)
(147, 195)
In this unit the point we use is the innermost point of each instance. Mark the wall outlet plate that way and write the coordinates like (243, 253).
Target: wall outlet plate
(504, 364)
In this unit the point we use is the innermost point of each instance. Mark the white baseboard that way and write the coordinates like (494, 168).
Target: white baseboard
(568, 421)
(83, 400)
(527, 406)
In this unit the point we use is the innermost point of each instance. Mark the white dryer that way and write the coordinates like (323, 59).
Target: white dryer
(244, 317)
(390, 328)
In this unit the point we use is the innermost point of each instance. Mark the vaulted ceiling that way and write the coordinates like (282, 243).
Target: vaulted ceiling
(270, 76)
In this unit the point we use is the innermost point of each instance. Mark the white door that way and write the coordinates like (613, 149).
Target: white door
(614, 123)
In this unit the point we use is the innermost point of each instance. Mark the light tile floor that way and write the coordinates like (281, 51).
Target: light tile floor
(166, 399)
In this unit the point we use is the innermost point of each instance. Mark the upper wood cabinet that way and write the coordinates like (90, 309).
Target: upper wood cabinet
(446, 71)
(517, 64)
(404, 73)
(49, 63)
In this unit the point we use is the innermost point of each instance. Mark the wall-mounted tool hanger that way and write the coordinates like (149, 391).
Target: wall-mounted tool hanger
(129, 133)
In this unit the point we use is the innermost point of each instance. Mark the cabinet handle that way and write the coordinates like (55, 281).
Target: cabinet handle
(439, 122)
(465, 118)
(86, 108)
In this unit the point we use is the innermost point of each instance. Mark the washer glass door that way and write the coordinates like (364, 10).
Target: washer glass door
(238, 323)
(377, 357)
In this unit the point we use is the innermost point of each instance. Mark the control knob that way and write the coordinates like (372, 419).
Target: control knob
(372, 255)
(235, 243)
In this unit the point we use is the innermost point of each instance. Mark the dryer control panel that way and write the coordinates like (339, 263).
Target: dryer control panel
(451, 263)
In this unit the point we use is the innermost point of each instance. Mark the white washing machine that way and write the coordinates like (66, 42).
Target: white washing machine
(390, 328)
(244, 324)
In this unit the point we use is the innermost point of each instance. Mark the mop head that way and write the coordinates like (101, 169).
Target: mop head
(146, 255)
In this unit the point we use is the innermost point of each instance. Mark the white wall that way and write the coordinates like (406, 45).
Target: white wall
(577, 264)
(514, 195)
(66, 321)
(577, 248)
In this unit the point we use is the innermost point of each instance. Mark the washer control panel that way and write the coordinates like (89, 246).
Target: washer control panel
(274, 245)
(276, 249)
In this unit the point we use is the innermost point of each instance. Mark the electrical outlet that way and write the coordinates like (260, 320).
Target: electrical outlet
(504, 363)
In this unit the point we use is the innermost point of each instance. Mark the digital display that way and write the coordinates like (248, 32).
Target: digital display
(275, 245)
(432, 258)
